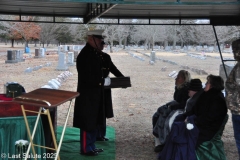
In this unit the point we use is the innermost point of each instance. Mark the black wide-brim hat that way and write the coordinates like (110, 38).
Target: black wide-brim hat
(195, 85)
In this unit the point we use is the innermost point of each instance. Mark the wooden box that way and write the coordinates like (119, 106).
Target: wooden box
(119, 82)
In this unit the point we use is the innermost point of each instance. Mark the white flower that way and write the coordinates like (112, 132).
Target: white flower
(190, 126)
(21, 142)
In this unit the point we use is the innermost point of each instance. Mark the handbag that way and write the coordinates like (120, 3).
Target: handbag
(13, 89)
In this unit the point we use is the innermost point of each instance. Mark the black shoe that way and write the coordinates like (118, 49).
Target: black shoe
(102, 139)
(98, 150)
(91, 153)
(158, 148)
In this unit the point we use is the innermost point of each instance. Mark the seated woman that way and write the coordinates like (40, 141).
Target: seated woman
(194, 91)
(179, 101)
(207, 116)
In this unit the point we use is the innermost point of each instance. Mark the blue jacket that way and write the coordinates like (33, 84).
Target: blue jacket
(180, 143)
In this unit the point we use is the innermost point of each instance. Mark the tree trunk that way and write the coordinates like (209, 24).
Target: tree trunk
(125, 43)
(26, 44)
(12, 40)
(120, 42)
(153, 43)
(174, 43)
(165, 44)
(111, 45)
(145, 44)
(182, 45)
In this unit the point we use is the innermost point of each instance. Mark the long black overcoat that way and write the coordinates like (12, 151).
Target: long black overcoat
(93, 104)
(108, 67)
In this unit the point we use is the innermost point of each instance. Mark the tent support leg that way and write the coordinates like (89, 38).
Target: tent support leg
(220, 52)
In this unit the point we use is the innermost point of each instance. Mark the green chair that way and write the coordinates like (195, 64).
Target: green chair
(213, 149)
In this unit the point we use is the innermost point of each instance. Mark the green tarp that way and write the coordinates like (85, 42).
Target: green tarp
(70, 149)
(13, 129)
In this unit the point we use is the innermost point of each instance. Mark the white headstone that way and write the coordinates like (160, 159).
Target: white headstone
(47, 86)
(70, 61)
(167, 48)
(57, 82)
(65, 48)
(42, 52)
(20, 56)
(152, 56)
(28, 70)
(59, 49)
(53, 84)
(75, 47)
(62, 62)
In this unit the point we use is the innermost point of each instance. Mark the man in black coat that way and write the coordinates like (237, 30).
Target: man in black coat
(93, 105)
(108, 67)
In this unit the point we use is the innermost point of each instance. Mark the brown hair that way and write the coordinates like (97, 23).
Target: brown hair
(216, 82)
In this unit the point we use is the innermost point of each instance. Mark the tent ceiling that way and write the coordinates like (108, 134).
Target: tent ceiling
(220, 12)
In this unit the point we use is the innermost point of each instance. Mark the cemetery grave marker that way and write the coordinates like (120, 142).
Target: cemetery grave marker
(20, 56)
(171, 73)
(11, 56)
(47, 86)
(62, 62)
(70, 59)
(164, 68)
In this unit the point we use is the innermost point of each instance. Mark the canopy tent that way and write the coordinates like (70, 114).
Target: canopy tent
(218, 12)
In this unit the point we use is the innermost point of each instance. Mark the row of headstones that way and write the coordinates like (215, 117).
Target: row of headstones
(205, 56)
(35, 68)
(135, 56)
(216, 57)
(198, 71)
(153, 58)
(14, 56)
(56, 83)
(204, 48)
(196, 56)
(66, 59)
(115, 49)
(65, 48)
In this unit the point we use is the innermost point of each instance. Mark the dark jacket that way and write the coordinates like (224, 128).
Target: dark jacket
(180, 143)
(89, 109)
(210, 111)
(181, 96)
(159, 117)
(108, 67)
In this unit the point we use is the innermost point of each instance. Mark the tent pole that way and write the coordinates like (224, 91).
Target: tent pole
(220, 51)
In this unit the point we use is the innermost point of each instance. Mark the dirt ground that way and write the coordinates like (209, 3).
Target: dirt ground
(133, 106)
